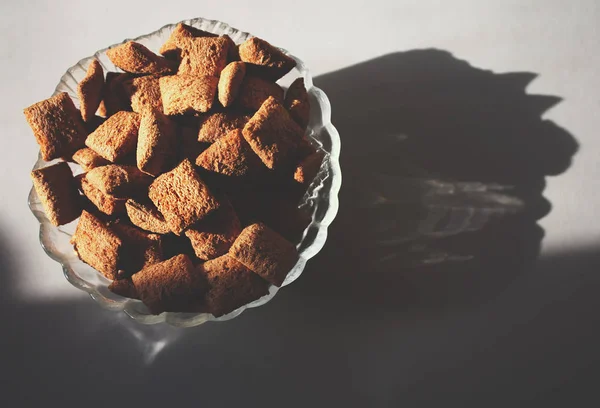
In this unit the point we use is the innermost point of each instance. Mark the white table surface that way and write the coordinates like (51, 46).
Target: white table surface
(505, 329)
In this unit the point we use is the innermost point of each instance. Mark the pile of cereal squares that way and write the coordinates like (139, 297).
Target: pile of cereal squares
(194, 164)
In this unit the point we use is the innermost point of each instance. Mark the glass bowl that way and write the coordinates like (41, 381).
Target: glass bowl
(321, 199)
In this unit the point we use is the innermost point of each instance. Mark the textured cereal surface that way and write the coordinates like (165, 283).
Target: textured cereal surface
(117, 137)
(187, 94)
(135, 58)
(231, 285)
(57, 126)
(203, 56)
(157, 143)
(57, 190)
(146, 217)
(97, 245)
(230, 155)
(105, 203)
(172, 285)
(265, 252)
(230, 81)
(118, 180)
(214, 126)
(182, 197)
(144, 92)
(254, 91)
(213, 236)
(89, 90)
(272, 134)
(267, 61)
(89, 159)
(172, 47)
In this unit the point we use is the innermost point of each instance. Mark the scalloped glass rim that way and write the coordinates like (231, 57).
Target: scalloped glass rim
(321, 198)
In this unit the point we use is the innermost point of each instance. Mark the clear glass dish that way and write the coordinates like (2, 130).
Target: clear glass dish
(321, 199)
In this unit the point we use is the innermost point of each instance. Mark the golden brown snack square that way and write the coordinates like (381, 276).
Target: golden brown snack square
(140, 249)
(213, 236)
(114, 96)
(267, 61)
(297, 103)
(157, 143)
(124, 287)
(231, 156)
(272, 134)
(187, 94)
(171, 49)
(203, 56)
(230, 285)
(230, 81)
(117, 137)
(173, 285)
(254, 91)
(97, 245)
(182, 197)
(89, 159)
(89, 90)
(57, 190)
(146, 216)
(57, 126)
(118, 180)
(106, 203)
(144, 92)
(135, 58)
(214, 126)
(265, 253)
(308, 168)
